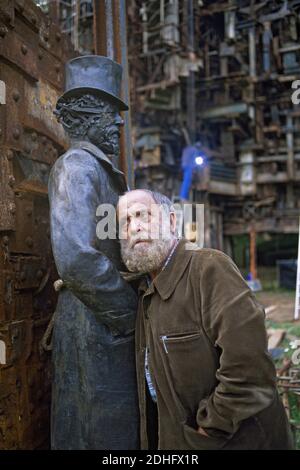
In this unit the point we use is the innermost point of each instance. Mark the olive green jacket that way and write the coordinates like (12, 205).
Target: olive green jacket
(208, 357)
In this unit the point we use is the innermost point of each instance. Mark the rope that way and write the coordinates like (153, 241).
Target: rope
(47, 343)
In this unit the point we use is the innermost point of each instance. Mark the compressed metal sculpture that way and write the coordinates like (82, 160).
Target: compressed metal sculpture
(94, 400)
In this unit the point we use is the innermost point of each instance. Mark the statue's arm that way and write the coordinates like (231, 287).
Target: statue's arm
(88, 273)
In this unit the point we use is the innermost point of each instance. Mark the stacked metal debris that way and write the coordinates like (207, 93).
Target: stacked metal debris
(223, 72)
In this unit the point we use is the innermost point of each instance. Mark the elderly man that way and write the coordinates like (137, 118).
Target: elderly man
(201, 349)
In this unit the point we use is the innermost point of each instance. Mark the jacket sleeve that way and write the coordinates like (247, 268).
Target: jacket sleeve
(74, 194)
(234, 321)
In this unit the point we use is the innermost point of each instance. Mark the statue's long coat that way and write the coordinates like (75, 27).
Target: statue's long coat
(94, 397)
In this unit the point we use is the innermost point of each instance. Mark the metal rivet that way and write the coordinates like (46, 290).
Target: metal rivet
(12, 208)
(11, 181)
(39, 274)
(24, 49)
(16, 133)
(29, 241)
(10, 155)
(5, 240)
(16, 95)
(3, 31)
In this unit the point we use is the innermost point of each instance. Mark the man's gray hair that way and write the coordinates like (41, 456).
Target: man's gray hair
(159, 199)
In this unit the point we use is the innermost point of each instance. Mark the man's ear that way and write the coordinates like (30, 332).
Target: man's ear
(173, 221)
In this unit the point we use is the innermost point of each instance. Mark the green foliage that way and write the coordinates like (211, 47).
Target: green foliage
(292, 330)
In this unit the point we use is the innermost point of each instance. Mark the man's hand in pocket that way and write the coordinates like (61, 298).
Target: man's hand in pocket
(201, 431)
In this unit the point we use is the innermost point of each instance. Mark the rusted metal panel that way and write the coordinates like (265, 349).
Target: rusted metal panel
(19, 53)
(32, 57)
(7, 205)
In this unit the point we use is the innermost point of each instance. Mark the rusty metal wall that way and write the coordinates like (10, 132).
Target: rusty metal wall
(32, 57)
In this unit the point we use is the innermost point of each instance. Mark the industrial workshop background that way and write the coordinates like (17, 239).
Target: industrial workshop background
(213, 74)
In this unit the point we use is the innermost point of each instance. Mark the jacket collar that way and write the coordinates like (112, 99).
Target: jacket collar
(91, 148)
(166, 281)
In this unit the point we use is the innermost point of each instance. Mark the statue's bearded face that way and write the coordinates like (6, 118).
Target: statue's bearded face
(104, 132)
(92, 117)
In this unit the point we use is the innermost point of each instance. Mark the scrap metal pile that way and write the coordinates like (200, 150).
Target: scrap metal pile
(220, 73)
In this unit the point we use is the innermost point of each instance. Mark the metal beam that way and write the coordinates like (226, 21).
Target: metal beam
(110, 26)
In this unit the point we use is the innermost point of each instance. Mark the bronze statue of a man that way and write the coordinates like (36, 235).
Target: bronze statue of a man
(94, 396)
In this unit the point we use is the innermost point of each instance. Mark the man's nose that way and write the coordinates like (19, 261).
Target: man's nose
(135, 226)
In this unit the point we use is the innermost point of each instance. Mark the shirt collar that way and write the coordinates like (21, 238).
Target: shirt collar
(170, 254)
(166, 281)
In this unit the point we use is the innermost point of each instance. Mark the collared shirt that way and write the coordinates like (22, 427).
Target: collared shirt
(147, 371)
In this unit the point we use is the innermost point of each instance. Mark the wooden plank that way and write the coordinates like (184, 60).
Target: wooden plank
(275, 336)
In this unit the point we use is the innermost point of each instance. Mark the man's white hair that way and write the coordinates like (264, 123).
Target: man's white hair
(158, 198)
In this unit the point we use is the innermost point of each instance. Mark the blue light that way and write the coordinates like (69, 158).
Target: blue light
(199, 160)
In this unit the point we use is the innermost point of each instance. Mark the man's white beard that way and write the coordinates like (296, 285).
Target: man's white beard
(147, 257)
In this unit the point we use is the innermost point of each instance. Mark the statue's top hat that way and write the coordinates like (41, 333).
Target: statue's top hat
(93, 74)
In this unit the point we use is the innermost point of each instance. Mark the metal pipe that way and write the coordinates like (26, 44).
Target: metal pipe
(252, 52)
(110, 39)
(190, 91)
(126, 160)
(253, 268)
(110, 52)
(99, 28)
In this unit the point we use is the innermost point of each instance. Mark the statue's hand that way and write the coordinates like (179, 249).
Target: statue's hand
(58, 285)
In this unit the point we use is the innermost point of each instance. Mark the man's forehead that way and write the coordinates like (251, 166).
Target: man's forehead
(135, 199)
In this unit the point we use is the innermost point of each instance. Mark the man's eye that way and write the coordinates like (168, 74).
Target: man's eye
(144, 215)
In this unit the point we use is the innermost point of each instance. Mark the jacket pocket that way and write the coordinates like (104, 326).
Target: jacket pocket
(167, 339)
(194, 440)
(192, 365)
